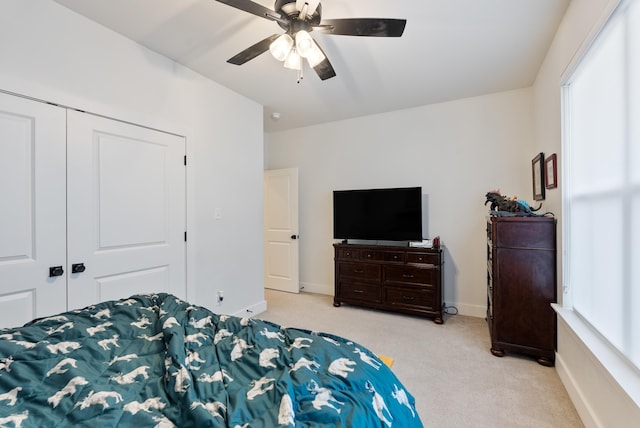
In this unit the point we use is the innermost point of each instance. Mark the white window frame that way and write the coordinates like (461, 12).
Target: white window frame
(618, 365)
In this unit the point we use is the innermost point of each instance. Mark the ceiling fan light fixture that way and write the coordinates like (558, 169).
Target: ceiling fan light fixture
(304, 43)
(293, 61)
(281, 47)
(315, 55)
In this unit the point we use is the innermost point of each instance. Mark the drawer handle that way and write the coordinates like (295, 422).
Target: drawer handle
(348, 254)
(358, 291)
(368, 256)
(407, 275)
(420, 259)
(358, 271)
(409, 298)
(395, 257)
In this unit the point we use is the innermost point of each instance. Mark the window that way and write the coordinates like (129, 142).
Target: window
(602, 183)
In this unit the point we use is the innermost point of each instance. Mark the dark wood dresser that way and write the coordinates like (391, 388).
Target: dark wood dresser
(521, 285)
(400, 279)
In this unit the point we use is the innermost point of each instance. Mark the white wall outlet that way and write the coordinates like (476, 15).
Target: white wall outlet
(220, 296)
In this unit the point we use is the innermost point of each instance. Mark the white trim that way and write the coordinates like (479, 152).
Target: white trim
(625, 374)
(252, 310)
(586, 412)
(577, 57)
(310, 287)
(478, 311)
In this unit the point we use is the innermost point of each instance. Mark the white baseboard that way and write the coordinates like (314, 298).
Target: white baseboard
(252, 310)
(576, 395)
(309, 287)
(469, 310)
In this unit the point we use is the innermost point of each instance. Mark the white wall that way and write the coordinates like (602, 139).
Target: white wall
(599, 398)
(51, 53)
(457, 151)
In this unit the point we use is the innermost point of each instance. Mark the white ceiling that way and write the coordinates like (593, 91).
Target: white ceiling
(450, 49)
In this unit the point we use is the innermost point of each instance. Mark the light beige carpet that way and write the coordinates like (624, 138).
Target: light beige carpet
(448, 368)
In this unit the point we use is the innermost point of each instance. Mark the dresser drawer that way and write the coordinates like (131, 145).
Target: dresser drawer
(370, 255)
(348, 254)
(394, 256)
(410, 297)
(360, 271)
(409, 275)
(423, 258)
(361, 292)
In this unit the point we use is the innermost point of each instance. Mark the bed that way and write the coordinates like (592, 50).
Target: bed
(157, 361)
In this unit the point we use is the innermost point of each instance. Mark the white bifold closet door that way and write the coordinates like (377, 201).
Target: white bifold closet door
(32, 210)
(91, 209)
(125, 210)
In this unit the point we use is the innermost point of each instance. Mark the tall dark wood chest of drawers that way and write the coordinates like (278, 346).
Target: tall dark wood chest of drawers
(521, 285)
(400, 279)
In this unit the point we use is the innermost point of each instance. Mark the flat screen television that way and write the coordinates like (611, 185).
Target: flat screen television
(378, 214)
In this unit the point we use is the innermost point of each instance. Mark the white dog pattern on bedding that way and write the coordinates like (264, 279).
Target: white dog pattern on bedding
(214, 408)
(154, 403)
(379, 406)
(267, 355)
(58, 368)
(323, 397)
(401, 397)
(342, 367)
(219, 376)
(98, 398)
(259, 387)
(11, 396)
(68, 389)
(286, 413)
(15, 419)
(129, 378)
(5, 364)
(63, 347)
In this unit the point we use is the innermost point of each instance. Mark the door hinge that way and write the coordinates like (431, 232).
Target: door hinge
(185, 236)
(185, 160)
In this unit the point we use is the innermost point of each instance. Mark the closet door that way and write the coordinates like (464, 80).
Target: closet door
(32, 210)
(126, 210)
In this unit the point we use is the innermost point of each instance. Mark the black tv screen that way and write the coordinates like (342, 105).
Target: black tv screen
(378, 214)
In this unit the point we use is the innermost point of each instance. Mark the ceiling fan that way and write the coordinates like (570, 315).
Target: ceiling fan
(300, 17)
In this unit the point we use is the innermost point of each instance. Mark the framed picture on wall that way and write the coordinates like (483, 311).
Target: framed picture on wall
(537, 171)
(551, 172)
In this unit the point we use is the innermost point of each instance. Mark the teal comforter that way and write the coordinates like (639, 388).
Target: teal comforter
(156, 361)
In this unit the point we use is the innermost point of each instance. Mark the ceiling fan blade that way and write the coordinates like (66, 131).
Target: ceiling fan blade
(324, 69)
(253, 8)
(374, 27)
(253, 51)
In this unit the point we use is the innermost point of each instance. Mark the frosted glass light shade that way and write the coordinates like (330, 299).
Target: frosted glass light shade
(304, 43)
(293, 61)
(315, 56)
(281, 47)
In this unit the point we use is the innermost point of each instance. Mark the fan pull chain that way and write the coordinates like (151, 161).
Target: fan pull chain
(300, 76)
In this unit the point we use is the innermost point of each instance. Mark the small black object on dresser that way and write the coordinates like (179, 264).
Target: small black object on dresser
(521, 286)
(399, 279)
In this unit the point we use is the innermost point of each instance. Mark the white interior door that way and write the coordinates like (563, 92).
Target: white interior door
(32, 213)
(281, 230)
(126, 210)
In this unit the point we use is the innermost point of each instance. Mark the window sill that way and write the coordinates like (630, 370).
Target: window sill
(622, 371)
